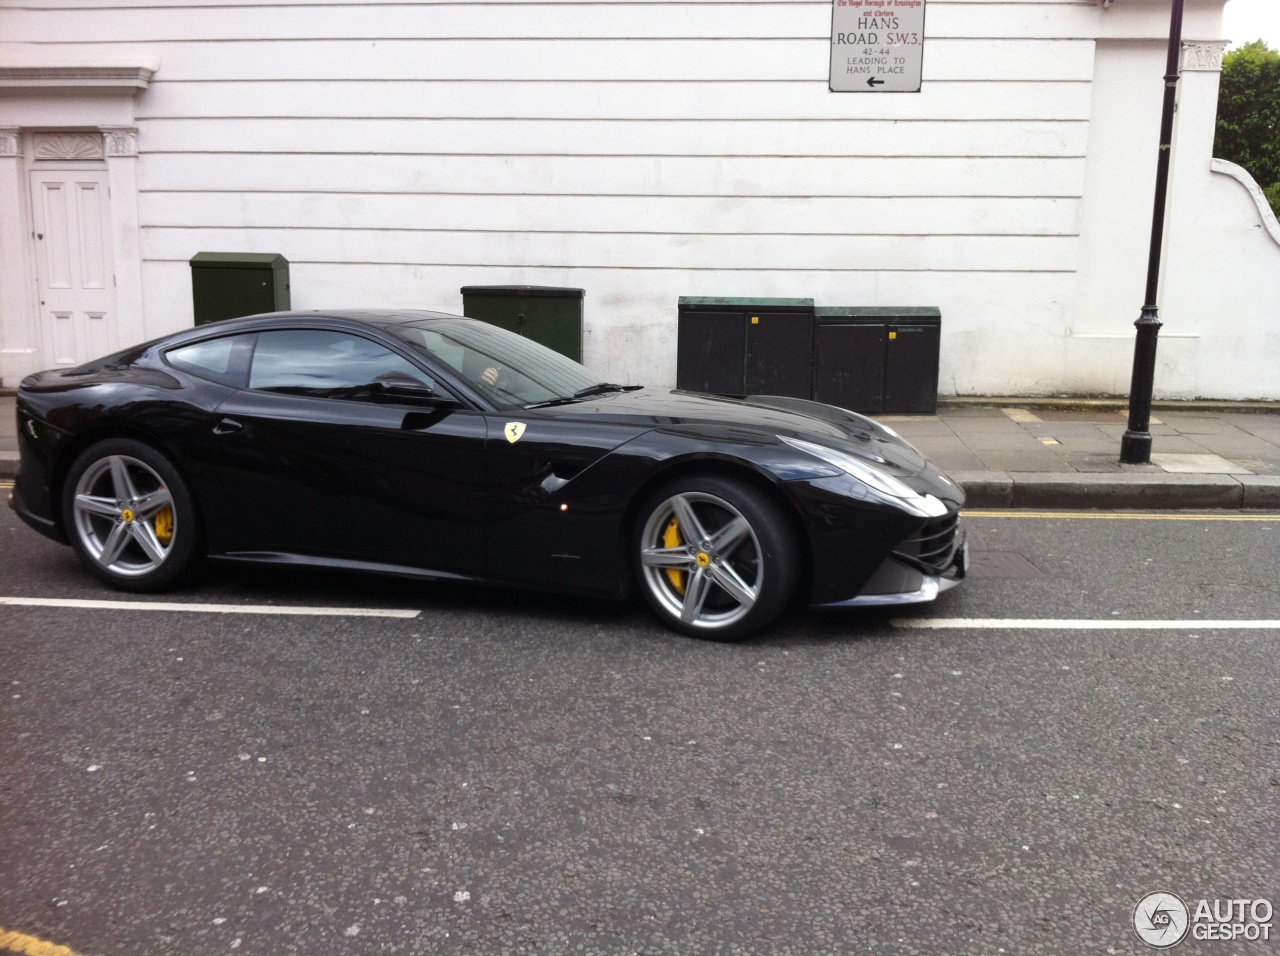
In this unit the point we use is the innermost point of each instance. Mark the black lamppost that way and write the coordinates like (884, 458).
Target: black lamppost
(1135, 447)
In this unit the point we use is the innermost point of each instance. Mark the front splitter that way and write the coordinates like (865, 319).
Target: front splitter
(931, 586)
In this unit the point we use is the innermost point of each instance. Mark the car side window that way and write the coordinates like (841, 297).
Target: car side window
(324, 364)
(224, 360)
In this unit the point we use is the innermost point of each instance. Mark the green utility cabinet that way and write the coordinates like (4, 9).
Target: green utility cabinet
(227, 285)
(549, 315)
(731, 346)
(877, 359)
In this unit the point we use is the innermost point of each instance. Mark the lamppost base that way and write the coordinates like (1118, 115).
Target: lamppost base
(1135, 448)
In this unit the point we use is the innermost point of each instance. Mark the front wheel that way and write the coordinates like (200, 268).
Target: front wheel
(715, 557)
(130, 516)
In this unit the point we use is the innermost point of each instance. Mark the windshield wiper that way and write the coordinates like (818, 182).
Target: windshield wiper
(599, 388)
(550, 402)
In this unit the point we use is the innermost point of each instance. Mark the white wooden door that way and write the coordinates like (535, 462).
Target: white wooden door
(72, 217)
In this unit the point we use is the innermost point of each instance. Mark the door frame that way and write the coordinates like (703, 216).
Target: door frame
(47, 96)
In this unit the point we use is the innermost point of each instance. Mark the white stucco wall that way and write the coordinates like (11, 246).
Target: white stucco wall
(1115, 226)
(1232, 296)
(394, 153)
(1220, 281)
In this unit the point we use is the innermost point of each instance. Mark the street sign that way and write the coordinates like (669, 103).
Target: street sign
(877, 46)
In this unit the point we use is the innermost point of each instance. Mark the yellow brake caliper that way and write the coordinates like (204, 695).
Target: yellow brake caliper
(164, 525)
(671, 539)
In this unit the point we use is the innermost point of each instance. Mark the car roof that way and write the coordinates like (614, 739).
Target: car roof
(383, 316)
(377, 318)
(364, 316)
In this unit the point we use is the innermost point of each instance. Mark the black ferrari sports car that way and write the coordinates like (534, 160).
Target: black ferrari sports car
(438, 447)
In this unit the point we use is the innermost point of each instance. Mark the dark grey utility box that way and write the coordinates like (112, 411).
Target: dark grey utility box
(227, 285)
(877, 359)
(546, 314)
(730, 346)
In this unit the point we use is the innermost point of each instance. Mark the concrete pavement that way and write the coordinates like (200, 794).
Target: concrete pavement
(1065, 454)
(1029, 453)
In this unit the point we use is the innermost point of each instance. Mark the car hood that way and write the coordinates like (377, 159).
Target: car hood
(767, 415)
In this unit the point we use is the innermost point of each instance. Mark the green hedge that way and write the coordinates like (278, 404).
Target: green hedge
(1249, 115)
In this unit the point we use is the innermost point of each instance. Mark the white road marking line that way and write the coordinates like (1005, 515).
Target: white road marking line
(1044, 624)
(1118, 516)
(209, 608)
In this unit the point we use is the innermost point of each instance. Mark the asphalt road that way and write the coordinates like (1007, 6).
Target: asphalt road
(513, 773)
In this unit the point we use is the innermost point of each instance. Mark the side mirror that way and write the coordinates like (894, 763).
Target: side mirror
(405, 389)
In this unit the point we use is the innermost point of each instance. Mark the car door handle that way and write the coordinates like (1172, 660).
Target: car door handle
(228, 426)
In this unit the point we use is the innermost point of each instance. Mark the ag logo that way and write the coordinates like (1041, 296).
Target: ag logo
(514, 431)
(1160, 920)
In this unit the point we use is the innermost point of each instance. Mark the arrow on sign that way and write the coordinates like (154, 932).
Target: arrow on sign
(873, 82)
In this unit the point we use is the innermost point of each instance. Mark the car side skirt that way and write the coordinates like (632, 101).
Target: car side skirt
(284, 558)
(289, 559)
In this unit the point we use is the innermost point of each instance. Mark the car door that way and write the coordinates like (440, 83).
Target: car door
(316, 464)
(549, 523)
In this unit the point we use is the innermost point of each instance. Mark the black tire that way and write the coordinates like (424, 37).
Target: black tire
(114, 501)
(740, 567)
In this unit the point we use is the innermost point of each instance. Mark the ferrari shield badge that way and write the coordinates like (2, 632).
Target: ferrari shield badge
(514, 431)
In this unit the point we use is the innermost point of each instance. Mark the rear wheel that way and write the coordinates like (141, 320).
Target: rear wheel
(130, 516)
(715, 557)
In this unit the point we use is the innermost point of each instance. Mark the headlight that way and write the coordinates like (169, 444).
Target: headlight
(926, 506)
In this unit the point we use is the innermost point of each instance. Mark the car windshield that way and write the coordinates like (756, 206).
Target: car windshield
(509, 368)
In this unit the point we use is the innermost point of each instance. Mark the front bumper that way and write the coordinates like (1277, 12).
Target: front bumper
(907, 577)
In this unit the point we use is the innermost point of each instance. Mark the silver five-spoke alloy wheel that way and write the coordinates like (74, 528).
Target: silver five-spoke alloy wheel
(701, 560)
(124, 516)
